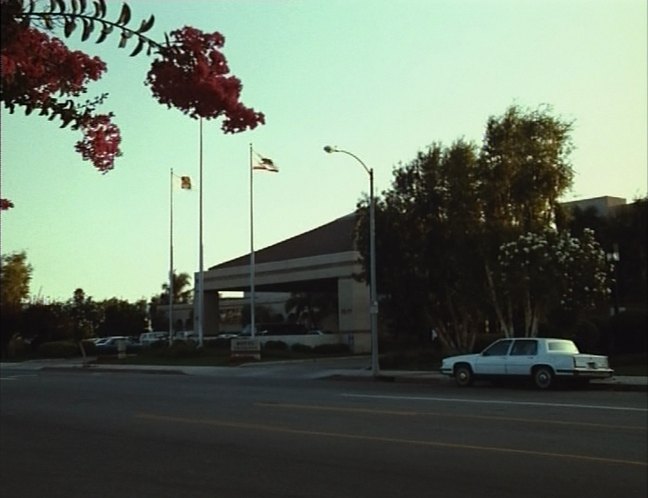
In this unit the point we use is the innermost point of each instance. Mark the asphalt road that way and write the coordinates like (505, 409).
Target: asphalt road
(108, 434)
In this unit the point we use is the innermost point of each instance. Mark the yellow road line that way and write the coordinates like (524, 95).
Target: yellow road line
(436, 444)
(448, 415)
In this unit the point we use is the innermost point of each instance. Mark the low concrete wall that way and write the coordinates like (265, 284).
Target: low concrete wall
(358, 342)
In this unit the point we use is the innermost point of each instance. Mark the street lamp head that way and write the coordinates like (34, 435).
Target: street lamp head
(328, 149)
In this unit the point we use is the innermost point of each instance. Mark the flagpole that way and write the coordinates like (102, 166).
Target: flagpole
(201, 274)
(252, 303)
(171, 259)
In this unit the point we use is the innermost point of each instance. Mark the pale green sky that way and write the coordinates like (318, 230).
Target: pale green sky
(380, 78)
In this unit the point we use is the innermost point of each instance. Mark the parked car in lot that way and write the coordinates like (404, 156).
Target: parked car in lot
(150, 338)
(543, 360)
(263, 329)
(110, 345)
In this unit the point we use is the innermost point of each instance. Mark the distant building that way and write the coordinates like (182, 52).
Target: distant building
(604, 206)
(324, 259)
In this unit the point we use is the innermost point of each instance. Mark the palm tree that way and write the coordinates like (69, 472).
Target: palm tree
(180, 295)
(309, 308)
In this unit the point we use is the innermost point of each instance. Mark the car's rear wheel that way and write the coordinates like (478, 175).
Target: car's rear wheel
(543, 377)
(463, 375)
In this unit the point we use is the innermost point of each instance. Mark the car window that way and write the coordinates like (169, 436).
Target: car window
(562, 346)
(499, 348)
(524, 347)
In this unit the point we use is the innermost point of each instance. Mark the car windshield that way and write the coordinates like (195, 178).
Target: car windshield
(562, 347)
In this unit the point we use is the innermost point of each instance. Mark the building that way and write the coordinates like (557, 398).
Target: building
(322, 259)
(604, 206)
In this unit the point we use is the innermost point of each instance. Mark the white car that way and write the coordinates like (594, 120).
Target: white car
(541, 359)
(149, 338)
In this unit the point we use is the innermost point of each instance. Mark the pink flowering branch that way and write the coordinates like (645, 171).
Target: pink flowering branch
(38, 72)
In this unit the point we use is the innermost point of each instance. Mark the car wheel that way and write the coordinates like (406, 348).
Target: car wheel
(463, 375)
(543, 377)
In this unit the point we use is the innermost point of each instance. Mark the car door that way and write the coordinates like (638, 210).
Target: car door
(492, 361)
(522, 357)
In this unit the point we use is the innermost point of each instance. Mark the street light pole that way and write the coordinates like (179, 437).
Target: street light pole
(201, 269)
(373, 299)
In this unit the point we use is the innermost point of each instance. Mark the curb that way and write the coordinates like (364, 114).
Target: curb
(93, 368)
(436, 380)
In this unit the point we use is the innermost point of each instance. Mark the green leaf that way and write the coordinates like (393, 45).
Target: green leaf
(138, 48)
(48, 22)
(100, 8)
(107, 29)
(124, 39)
(146, 25)
(88, 26)
(70, 24)
(61, 5)
(125, 15)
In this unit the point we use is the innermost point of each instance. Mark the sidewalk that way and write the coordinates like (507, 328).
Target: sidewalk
(617, 382)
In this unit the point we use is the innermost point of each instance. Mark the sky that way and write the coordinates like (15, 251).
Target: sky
(382, 79)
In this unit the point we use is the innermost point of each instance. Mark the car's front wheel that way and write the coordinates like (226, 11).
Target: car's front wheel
(463, 375)
(543, 377)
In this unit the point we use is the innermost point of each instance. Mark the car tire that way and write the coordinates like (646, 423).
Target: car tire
(543, 377)
(463, 375)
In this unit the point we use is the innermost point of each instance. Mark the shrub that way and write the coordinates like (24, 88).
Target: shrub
(217, 343)
(181, 349)
(58, 349)
(332, 349)
(626, 332)
(17, 347)
(90, 348)
(275, 346)
(301, 348)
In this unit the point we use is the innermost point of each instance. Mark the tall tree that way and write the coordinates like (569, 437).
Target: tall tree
(181, 294)
(449, 215)
(525, 169)
(429, 274)
(15, 275)
(310, 308)
(39, 72)
(122, 317)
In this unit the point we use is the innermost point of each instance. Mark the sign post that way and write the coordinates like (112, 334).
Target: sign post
(245, 348)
